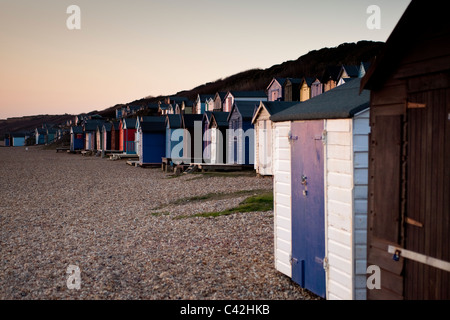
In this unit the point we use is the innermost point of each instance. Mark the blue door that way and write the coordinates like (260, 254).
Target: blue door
(308, 209)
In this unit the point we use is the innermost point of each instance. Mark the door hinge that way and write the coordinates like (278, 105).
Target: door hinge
(293, 260)
(292, 137)
(325, 264)
(324, 136)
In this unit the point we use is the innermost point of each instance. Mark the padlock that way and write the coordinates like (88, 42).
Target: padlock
(396, 256)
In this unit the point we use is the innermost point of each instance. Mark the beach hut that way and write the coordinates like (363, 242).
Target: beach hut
(152, 141)
(316, 88)
(409, 207)
(292, 89)
(7, 140)
(115, 136)
(40, 135)
(330, 77)
(18, 139)
(241, 146)
(219, 100)
(264, 134)
(106, 139)
(76, 138)
(127, 135)
(305, 88)
(174, 137)
(206, 136)
(193, 138)
(99, 137)
(90, 137)
(275, 90)
(51, 135)
(320, 192)
(219, 126)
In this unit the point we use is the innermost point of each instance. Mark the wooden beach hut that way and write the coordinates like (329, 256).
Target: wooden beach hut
(241, 139)
(275, 90)
(320, 192)
(316, 88)
(106, 140)
(18, 139)
(7, 139)
(292, 89)
(264, 134)
(218, 126)
(174, 137)
(305, 88)
(127, 135)
(90, 134)
(115, 136)
(206, 136)
(40, 135)
(409, 188)
(152, 141)
(76, 138)
(193, 138)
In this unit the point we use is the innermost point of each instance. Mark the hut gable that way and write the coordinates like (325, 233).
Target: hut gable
(275, 90)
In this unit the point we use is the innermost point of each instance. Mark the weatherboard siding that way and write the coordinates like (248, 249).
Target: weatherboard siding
(346, 201)
(282, 197)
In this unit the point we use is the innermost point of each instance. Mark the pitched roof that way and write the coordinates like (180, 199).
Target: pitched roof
(204, 97)
(245, 108)
(152, 119)
(221, 95)
(339, 103)
(294, 81)
(190, 119)
(174, 121)
(309, 81)
(107, 127)
(221, 118)
(352, 71)
(129, 123)
(331, 73)
(249, 94)
(273, 107)
(281, 81)
(91, 125)
(76, 129)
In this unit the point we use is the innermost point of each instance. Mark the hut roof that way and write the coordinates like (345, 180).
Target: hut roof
(245, 108)
(340, 103)
(174, 121)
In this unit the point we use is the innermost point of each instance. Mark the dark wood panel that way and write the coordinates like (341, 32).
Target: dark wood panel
(387, 145)
(428, 194)
(390, 95)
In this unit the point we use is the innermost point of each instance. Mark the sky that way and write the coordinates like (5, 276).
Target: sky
(127, 50)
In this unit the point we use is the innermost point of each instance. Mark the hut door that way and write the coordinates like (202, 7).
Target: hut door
(308, 216)
(427, 222)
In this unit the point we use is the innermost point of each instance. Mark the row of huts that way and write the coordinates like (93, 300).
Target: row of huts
(46, 134)
(360, 164)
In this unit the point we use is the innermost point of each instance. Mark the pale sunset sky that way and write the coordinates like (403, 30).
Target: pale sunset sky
(126, 50)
